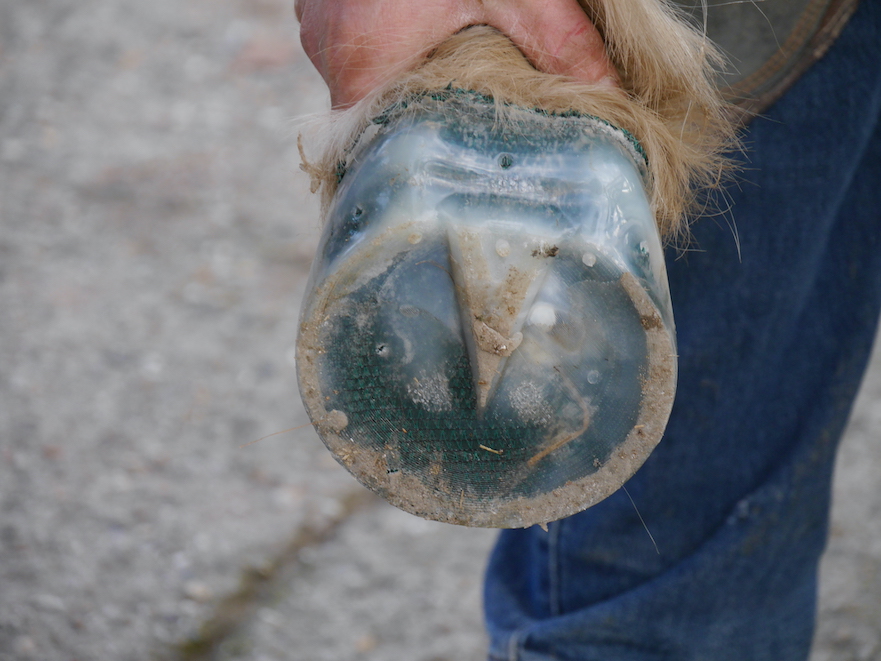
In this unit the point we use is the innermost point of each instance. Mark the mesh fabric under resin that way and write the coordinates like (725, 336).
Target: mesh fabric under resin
(400, 371)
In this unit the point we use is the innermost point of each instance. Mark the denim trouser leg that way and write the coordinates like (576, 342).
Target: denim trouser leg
(773, 341)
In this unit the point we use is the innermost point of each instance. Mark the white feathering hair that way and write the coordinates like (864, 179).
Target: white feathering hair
(668, 101)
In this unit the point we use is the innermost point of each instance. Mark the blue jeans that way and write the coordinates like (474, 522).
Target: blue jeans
(774, 337)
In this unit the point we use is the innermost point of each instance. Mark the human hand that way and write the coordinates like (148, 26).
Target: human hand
(360, 45)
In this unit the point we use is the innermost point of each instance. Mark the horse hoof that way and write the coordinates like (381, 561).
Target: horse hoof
(488, 337)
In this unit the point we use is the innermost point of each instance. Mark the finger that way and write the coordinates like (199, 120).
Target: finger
(360, 46)
(556, 36)
(365, 46)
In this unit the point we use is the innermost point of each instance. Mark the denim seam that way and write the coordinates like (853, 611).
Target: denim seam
(514, 644)
(554, 591)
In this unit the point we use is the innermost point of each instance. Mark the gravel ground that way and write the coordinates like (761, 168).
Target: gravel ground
(155, 240)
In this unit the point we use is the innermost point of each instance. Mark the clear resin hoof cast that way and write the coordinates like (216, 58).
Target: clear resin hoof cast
(488, 337)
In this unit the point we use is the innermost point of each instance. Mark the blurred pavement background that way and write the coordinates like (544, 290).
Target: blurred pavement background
(155, 236)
